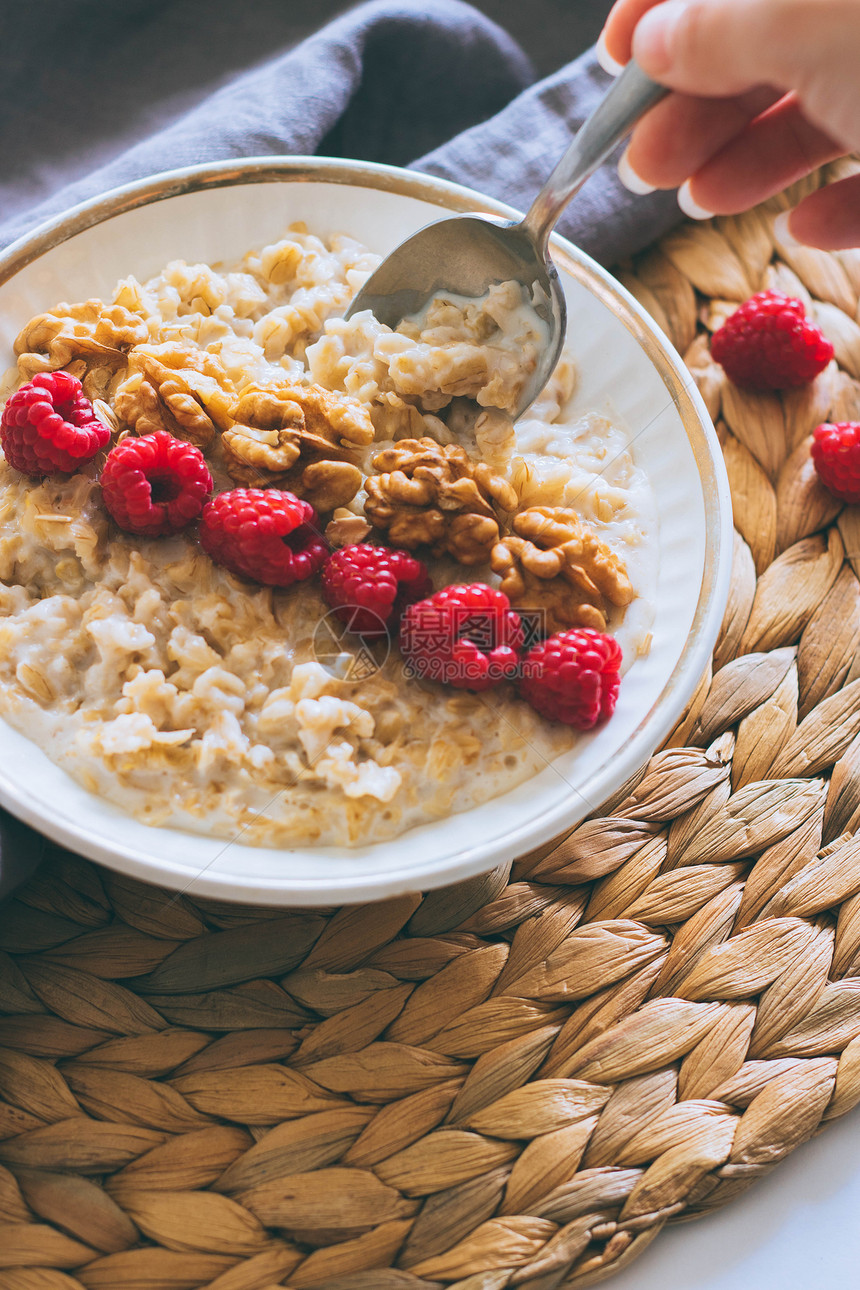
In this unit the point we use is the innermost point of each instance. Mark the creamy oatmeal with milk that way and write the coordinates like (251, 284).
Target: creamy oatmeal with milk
(192, 697)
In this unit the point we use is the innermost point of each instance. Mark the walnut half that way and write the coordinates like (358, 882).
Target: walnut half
(300, 437)
(434, 494)
(90, 340)
(555, 564)
(178, 388)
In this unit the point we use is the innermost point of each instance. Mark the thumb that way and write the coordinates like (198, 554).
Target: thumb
(726, 47)
(704, 48)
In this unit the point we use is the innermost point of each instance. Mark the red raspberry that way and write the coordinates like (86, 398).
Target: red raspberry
(465, 635)
(155, 485)
(769, 344)
(370, 586)
(573, 677)
(49, 425)
(263, 534)
(836, 456)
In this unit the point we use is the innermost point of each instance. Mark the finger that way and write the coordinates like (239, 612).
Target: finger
(829, 218)
(775, 150)
(726, 48)
(616, 39)
(680, 134)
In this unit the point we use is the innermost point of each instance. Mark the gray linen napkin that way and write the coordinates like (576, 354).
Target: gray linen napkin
(112, 93)
(388, 81)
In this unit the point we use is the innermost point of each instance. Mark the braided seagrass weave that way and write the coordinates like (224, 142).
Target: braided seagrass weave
(516, 1081)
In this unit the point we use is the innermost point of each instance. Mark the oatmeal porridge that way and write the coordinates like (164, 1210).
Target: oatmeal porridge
(195, 698)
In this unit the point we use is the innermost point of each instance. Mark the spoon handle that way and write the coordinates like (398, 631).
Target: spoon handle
(629, 98)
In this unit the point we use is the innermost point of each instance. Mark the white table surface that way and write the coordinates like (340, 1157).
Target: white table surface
(796, 1229)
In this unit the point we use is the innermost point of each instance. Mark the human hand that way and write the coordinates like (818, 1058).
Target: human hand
(766, 92)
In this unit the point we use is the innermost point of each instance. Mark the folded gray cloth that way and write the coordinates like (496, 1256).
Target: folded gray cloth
(387, 81)
(113, 93)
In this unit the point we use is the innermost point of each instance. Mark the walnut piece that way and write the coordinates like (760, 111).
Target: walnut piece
(555, 564)
(345, 528)
(91, 340)
(434, 494)
(178, 388)
(300, 437)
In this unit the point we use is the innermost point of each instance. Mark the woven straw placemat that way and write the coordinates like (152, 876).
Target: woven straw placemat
(516, 1081)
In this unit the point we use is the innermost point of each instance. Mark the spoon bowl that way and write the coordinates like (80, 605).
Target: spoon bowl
(467, 255)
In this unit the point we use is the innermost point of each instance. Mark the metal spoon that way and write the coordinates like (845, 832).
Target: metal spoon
(467, 254)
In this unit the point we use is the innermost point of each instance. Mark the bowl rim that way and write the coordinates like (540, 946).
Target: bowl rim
(673, 699)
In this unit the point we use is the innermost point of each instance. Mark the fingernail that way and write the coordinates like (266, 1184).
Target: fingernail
(782, 232)
(653, 37)
(689, 206)
(629, 178)
(605, 59)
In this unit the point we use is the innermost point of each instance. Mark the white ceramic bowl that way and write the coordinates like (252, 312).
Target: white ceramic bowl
(626, 366)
